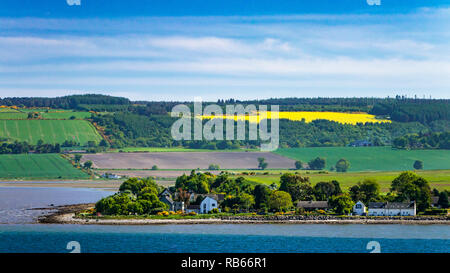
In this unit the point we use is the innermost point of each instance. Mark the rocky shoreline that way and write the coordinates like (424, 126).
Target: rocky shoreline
(66, 215)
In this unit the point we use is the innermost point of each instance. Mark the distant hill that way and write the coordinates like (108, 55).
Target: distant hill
(67, 102)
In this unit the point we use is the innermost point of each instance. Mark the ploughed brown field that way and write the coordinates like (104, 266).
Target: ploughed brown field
(165, 174)
(194, 160)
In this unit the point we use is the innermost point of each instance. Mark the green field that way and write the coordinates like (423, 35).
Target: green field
(439, 179)
(372, 158)
(38, 166)
(45, 114)
(50, 131)
(13, 115)
(65, 115)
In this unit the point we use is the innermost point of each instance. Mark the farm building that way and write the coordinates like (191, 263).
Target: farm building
(360, 143)
(392, 209)
(313, 205)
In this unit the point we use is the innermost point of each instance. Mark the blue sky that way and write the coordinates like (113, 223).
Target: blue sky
(178, 50)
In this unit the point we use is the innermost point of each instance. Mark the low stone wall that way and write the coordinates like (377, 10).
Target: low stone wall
(331, 217)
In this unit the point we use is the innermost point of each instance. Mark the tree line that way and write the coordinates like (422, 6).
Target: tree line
(423, 141)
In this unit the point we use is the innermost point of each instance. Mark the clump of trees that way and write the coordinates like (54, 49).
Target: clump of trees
(24, 147)
(323, 191)
(420, 140)
(135, 196)
(366, 191)
(262, 164)
(342, 165)
(418, 165)
(342, 204)
(317, 163)
(213, 167)
(298, 187)
(279, 201)
(408, 186)
(195, 182)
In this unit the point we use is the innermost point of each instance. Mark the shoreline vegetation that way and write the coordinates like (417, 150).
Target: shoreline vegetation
(68, 214)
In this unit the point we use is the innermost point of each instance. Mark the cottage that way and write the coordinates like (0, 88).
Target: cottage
(313, 205)
(166, 191)
(166, 197)
(359, 208)
(392, 209)
(208, 204)
(218, 197)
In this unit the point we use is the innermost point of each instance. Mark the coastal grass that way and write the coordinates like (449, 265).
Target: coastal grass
(38, 166)
(49, 131)
(439, 179)
(372, 158)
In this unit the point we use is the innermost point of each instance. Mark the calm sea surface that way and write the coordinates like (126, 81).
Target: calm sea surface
(18, 235)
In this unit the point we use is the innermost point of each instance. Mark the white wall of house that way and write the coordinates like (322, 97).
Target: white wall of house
(359, 208)
(208, 204)
(392, 212)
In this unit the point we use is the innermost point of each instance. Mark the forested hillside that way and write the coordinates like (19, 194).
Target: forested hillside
(147, 124)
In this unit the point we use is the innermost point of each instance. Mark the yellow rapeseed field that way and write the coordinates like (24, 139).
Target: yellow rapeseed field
(345, 118)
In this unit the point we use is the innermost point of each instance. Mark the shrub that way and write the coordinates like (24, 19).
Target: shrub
(213, 167)
(192, 213)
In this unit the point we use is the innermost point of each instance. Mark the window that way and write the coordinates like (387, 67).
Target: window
(358, 206)
(213, 205)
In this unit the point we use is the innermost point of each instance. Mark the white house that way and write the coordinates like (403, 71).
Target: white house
(208, 204)
(392, 209)
(359, 208)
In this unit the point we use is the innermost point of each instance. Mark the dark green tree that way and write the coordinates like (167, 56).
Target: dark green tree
(443, 200)
(418, 165)
(325, 190)
(261, 193)
(342, 204)
(342, 165)
(410, 186)
(262, 164)
(366, 191)
(317, 164)
(297, 186)
(280, 200)
(88, 164)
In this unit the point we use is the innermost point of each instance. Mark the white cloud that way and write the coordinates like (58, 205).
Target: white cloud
(279, 53)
